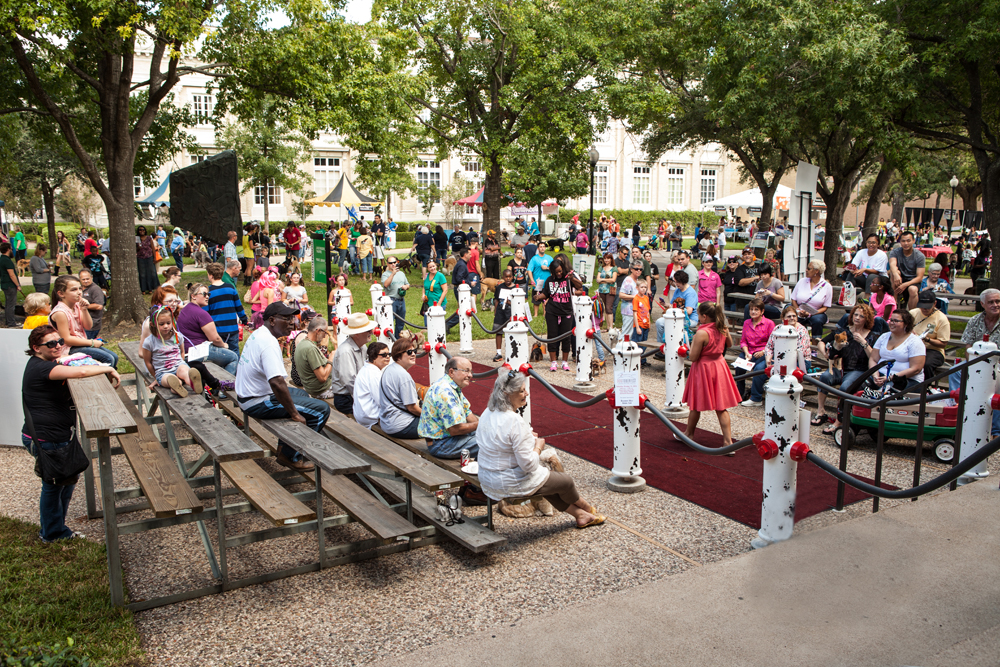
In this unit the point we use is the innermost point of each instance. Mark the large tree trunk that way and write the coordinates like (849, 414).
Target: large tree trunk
(493, 195)
(836, 202)
(898, 204)
(267, 217)
(49, 202)
(126, 300)
(991, 211)
(879, 188)
(970, 196)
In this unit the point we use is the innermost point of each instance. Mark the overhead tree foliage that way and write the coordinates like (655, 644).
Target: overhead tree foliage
(488, 74)
(956, 46)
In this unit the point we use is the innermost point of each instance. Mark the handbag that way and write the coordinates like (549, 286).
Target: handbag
(156, 255)
(61, 467)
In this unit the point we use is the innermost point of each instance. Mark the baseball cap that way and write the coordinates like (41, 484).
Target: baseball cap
(926, 299)
(279, 309)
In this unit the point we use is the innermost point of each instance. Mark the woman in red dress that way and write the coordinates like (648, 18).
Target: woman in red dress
(710, 384)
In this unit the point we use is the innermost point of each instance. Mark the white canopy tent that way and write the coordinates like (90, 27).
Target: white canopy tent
(750, 199)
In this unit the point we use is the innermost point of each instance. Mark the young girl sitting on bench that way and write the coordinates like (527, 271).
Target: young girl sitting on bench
(163, 351)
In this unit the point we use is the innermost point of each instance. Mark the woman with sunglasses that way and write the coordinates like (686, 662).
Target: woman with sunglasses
(164, 295)
(197, 326)
(50, 406)
(399, 398)
(905, 351)
(367, 395)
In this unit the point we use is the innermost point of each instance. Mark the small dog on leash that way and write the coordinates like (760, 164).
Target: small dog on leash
(22, 267)
(839, 343)
(449, 264)
(597, 367)
(489, 285)
(201, 258)
(537, 353)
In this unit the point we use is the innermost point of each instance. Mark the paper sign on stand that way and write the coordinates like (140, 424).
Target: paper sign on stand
(583, 266)
(626, 388)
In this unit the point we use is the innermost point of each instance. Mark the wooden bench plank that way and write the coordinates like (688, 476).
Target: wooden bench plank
(322, 451)
(210, 428)
(99, 408)
(472, 535)
(419, 447)
(268, 496)
(367, 510)
(168, 492)
(131, 351)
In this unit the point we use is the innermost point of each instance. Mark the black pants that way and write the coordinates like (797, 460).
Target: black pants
(344, 403)
(557, 325)
(933, 359)
(492, 267)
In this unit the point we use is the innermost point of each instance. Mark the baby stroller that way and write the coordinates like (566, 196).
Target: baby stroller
(95, 264)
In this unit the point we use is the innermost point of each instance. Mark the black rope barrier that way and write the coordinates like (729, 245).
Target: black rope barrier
(550, 340)
(558, 394)
(486, 374)
(490, 332)
(603, 344)
(682, 437)
(415, 326)
(945, 478)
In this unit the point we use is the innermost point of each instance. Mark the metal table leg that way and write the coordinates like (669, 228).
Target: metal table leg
(110, 522)
(221, 518)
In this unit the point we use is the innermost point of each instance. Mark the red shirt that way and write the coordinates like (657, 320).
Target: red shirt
(754, 338)
(89, 247)
(473, 262)
(292, 238)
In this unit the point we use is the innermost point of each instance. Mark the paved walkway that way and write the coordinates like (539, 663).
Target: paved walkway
(916, 584)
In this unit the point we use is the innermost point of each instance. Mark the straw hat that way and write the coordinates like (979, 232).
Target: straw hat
(358, 323)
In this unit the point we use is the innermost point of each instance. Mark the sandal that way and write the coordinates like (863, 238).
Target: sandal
(819, 420)
(830, 429)
(596, 521)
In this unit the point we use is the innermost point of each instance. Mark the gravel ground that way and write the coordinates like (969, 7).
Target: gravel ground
(358, 613)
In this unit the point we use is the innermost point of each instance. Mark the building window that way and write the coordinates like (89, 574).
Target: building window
(601, 184)
(640, 185)
(675, 186)
(326, 173)
(428, 174)
(137, 186)
(273, 194)
(195, 159)
(472, 166)
(707, 185)
(203, 106)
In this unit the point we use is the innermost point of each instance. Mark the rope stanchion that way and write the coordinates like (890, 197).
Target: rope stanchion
(607, 348)
(682, 437)
(558, 394)
(486, 374)
(965, 466)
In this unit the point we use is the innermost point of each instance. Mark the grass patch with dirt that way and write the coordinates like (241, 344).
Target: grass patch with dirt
(51, 592)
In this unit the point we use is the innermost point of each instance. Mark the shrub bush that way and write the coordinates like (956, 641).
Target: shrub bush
(649, 220)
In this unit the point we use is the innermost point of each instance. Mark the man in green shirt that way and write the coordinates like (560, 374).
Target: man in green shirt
(9, 283)
(233, 269)
(312, 363)
(396, 284)
(20, 246)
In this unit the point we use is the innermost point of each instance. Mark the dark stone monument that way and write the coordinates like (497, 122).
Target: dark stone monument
(205, 198)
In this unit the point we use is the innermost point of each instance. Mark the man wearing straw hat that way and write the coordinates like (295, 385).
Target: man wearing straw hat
(261, 390)
(348, 360)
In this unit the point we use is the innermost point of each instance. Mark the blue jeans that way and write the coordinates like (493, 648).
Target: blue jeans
(399, 313)
(233, 342)
(598, 346)
(341, 256)
(93, 333)
(955, 382)
(179, 259)
(816, 323)
(843, 380)
(408, 433)
(54, 501)
(352, 252)
(315, 411)
(101, 354)
(756, 389)
(450, 447)
(366, 263)
(224, 357)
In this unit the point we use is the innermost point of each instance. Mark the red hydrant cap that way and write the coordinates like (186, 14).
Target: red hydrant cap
(387, 332)
(642, 401)
(368, 312)
(377, 332)
(468, 313)
(784, 371)
(440, 346)
(427, 347)
(995, 402)
(955, 394)
(683, 350)
(767, 449)
(590, 333)
(798, 374)
(610, 393)
(524, 368)
(798, 451)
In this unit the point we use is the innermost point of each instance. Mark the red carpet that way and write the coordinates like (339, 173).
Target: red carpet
(730, 486)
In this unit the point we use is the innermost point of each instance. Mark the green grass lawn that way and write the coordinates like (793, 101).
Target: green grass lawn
(51, 592)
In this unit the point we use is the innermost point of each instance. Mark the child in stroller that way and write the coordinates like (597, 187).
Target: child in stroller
(95, 264)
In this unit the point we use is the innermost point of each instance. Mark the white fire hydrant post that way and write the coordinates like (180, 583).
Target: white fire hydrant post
(781, 431)
(517, 305)
(435, 340)
(977, 408)
(626, 471)
(673, 361)
(465, 306)
(341, 310)
(383, 319)
(582, 314)
(518, 352)
(376, 290)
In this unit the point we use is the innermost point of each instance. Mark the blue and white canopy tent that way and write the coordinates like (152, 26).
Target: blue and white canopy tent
(158, 197)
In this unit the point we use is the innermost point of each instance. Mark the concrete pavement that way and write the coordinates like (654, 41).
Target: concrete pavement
(916, 584)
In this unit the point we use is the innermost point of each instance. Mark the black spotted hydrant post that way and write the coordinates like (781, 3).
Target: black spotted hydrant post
(627, 467)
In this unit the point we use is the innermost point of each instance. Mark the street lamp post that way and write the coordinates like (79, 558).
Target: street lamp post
(594, 157)
(951, 214)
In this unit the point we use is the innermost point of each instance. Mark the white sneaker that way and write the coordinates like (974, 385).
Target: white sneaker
(750, 403)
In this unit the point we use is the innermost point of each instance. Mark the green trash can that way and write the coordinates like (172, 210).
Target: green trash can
(319, 257)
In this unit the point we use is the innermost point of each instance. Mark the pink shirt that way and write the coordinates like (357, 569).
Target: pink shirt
(708, 284)
(74, 315)
(755, 338)
(879, 308)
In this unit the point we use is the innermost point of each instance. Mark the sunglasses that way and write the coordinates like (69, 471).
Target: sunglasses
(412, 352)
(53, 344)
(384, 355)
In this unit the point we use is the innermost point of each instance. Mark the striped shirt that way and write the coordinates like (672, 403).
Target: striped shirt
(226, 309)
